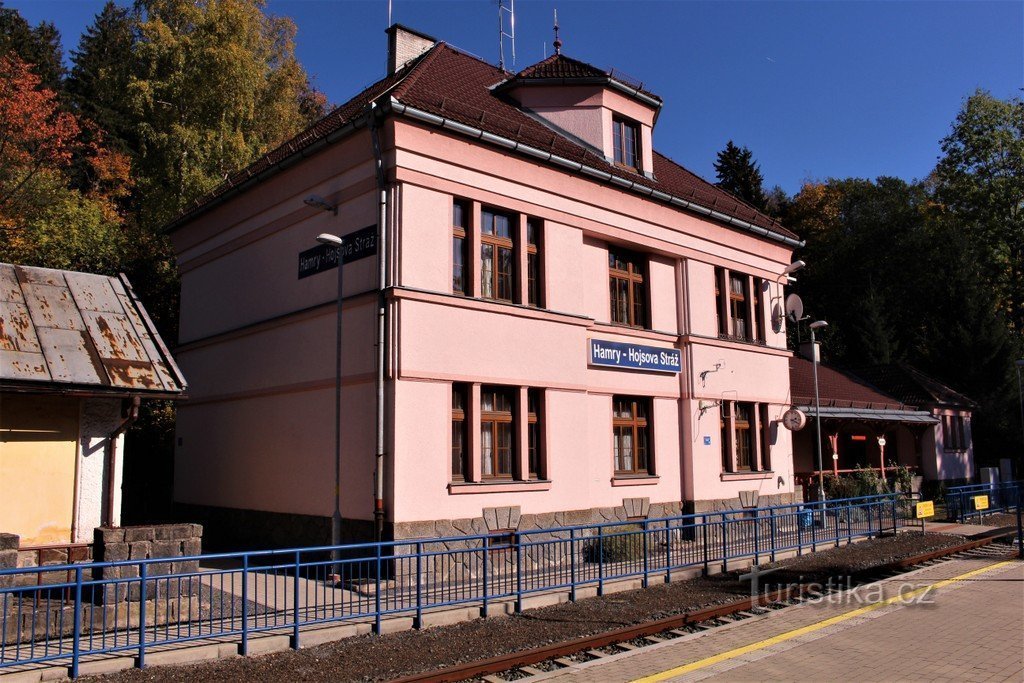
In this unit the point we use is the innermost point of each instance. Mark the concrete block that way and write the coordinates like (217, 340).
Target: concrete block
(267, 644)
(396, 624)
(173, 532)
(449, 616)
(10, 541)
(139, 533)
(332, 634)
(197, 530)
(158, 568)
(113, 552)
(139, 550)
(184, 655)
(30, 676)
(102, 535)
(192, 546)
(544, 600)
(54, 673)
(98, 667)
(165, 549)
(185, 567)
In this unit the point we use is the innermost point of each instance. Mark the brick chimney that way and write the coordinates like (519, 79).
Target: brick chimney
(405, 45)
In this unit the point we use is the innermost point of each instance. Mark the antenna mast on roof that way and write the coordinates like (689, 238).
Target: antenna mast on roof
(510, 34)
(558, 41)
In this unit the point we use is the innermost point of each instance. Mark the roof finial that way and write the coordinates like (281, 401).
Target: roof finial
(558, 41)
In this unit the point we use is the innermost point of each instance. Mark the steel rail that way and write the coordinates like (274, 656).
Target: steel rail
(493, 665)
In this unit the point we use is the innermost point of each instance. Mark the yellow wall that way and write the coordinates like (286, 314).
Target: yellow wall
(38, 440)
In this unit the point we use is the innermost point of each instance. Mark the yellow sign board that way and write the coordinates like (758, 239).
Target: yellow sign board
(981, 502)
(926, 508)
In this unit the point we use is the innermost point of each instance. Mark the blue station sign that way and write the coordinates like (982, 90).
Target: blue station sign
(634, 356)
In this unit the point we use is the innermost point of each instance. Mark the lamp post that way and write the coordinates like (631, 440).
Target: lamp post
(338, 244)
(817, 325)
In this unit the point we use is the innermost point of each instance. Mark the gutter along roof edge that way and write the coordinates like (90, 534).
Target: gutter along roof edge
(576, 167)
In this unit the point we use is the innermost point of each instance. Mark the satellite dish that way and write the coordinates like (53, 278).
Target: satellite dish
(777, 315)
(794, 307)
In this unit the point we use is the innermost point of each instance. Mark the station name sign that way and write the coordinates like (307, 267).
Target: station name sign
(357, 245)
(634, 356)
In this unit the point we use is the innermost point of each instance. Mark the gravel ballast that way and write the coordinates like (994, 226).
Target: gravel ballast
(390, 656)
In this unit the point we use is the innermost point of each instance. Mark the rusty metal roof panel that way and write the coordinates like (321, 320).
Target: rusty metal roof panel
(10, 288)
(80, 329)
(17, 333)
(23, 366)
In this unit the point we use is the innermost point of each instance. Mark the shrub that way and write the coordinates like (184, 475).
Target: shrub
(620, 543)
(840, 487)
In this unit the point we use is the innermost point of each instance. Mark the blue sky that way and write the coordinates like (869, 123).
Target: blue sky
(814, 89)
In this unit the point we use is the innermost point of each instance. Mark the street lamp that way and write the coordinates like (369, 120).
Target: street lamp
(338, 244)
(817, 325)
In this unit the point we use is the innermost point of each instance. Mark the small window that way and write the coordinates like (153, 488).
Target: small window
(626, 288)
(631, 435)
(496, 262)
(626, 143)
(496, 437)
(459, 441)
(460, 256)
(502, 541)
(533, 434)
(533, 282)
(757, 292)
(738, 306)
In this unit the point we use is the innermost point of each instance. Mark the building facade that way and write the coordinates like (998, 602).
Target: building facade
(574, 328)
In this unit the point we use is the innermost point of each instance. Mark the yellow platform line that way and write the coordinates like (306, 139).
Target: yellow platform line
(796, 633)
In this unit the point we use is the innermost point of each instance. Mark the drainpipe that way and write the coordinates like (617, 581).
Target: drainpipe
(133, 414)
(378, 473)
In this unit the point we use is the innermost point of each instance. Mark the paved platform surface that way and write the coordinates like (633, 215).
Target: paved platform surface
(961, 620)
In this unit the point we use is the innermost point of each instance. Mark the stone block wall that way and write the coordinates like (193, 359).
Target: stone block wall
(170, 541)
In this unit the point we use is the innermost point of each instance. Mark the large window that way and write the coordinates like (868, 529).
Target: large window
(739, 306)
(626, 288)
(533, 287)
(496, 432)
(460, 444)
(953, 437)
(758, 292)
(739, 321)
(460, 260)
(631, 435)
(626, 142)
(745, 436)
(496, 250)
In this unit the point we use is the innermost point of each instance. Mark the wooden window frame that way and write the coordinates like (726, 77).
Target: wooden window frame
(725, 434)
(758, 308)
(745, 458)
(620, 154)
(634, 275)
(758, 427)
(638, 426)
(492, 421)
(738, 306)
(460, 232)
(460, 451)
(497, 243)
(765, 451)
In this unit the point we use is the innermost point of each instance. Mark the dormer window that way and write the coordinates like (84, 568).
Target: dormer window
(626, 142)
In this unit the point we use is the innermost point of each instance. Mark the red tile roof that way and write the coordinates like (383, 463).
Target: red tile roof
(560, 67)
(836, 388)
(912, 386)
(455, 86)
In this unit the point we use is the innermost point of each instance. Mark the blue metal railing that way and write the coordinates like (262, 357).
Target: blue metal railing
(62, 614)
(961, 501)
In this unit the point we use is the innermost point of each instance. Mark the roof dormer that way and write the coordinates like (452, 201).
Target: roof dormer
(600, 109)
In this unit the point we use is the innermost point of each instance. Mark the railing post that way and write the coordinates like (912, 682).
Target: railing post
(419, 584)
(771, 531)
(486, 551)
(142, 614)
(1020, 527)
(800, 530)
(572, 565)
(376, 593)
(814, 531)
(245, 605)
(76, 643)
(757, 536)
(519, 573)
(725, 543)
(600, 560)
(668, 551)
(295, 600)
(704, 533)
(643, 530)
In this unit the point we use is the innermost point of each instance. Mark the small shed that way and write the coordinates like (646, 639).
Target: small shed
(78, 353)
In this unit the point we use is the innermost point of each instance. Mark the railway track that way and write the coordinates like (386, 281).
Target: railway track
(525, 664)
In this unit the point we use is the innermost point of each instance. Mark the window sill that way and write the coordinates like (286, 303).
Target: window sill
(638, 480)
(742, 340)
(506, 486)
(747, 476)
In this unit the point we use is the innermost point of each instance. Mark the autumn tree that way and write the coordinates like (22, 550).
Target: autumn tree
(980, 182)
(214, 84)
(739, 174)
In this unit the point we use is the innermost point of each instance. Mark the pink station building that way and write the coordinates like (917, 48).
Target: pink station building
(545, 322)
